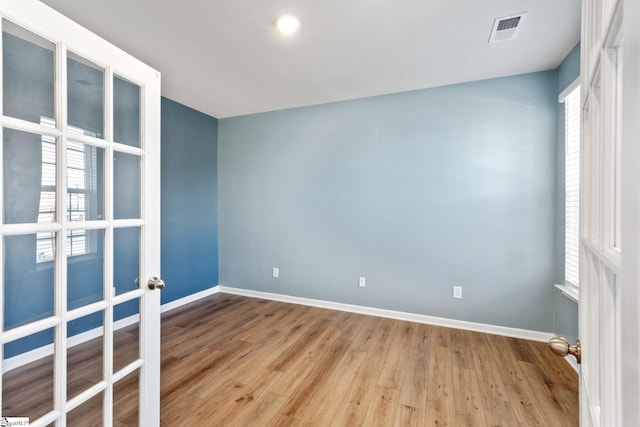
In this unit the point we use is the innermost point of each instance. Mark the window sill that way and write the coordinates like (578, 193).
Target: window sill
(570, 291)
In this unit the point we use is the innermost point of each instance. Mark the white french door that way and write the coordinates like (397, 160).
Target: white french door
(79, 225)
(610, 216)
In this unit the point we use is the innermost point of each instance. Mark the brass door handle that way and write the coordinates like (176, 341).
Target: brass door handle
(561, 347)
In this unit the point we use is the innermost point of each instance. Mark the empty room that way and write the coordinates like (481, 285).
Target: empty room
(295, 213)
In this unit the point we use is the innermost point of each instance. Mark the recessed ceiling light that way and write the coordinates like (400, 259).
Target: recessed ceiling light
(287, 24)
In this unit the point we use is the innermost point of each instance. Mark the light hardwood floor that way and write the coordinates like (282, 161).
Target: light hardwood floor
(236, 361)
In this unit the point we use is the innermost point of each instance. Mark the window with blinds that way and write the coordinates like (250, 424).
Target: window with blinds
(572, 188)
(81, 195)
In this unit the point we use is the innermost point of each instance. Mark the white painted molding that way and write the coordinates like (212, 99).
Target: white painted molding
(572, 361)
(47, 350)
(189, 299)
(570, 291)
(399, 315)
(574, 84)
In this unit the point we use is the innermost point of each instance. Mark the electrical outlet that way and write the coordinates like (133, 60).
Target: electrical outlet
(362, 282)
(457, 292)
(275, 272)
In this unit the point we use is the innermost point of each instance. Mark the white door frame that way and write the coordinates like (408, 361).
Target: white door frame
(630, 274)
(610, 214)
(49, 24)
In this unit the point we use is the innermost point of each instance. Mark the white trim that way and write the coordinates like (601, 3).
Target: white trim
(574, 364)
(47, 350)
(570, 291)
(399, 315)
(189, 299)
(574, 84)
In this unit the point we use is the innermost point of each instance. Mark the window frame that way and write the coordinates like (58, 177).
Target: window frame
(571, 99)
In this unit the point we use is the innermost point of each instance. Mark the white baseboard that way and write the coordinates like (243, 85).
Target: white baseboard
(47, 350)
(574, 364)
(189, 299)
(399, 315)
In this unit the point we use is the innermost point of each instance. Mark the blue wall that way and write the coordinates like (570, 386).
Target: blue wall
(189, 201)
(417, 191)
(565, 310)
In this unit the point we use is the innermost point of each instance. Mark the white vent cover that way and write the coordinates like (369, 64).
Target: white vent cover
(506, 28)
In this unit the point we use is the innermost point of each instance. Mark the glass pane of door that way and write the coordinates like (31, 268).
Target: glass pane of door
(29, 177)
(85, 182)
(126, 112)
(27, 381)
(85, 97)
(28, 70)
(126, 259)
(85, 354)
(126, 186)
(28, 279)
(85, 267)
(126, 339)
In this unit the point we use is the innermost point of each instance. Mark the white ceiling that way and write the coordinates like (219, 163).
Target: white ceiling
(224, 57)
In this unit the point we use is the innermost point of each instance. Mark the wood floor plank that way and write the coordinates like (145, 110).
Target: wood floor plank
(408, 416)
(527, 409)
(440, 406)
(298, 348)
(382, 411)
(486, 368)
(393, 370)
(333, 392)
(499, 412)
(355, 406)
(236, 361)
(243, 399)
(413, 392)
(469, 408)
(264, 410)
(296, 374)
(303, 399)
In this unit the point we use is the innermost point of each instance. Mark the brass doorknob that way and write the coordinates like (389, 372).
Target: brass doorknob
(155, 283)
(561, 347)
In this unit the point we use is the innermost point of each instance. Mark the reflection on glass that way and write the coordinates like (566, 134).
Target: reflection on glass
(85, 183)
(28, 75)
(88, 413)
(126, 399)
(85, 97)
(29, 173)
(126, 186)
(126, 341)
(126, 258)
(85, 275)
(126, 112)
(28, 395)
(84, 361)
(28, 291)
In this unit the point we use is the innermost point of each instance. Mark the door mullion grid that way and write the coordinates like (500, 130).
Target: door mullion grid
(60, 274)
(109, 290)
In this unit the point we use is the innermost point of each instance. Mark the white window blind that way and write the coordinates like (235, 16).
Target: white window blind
(81, 194)
(572, 188)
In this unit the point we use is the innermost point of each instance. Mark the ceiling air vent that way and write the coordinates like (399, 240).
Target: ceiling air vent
(506, 28)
